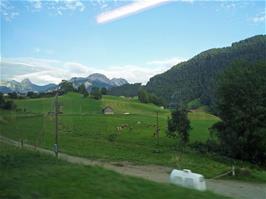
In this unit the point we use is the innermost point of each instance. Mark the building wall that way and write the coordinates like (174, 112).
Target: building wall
(108, 111)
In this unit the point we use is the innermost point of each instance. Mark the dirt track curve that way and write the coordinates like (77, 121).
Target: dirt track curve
(234, 189)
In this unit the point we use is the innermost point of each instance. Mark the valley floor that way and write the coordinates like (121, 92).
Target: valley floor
(234, 189)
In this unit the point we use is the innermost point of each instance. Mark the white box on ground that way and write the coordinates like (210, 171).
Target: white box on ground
(188, 179)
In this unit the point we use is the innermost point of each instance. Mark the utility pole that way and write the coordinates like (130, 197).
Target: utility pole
(56, 112)
(157, 132)
(157, 128)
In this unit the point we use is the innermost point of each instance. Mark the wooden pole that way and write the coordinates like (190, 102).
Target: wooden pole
(56, 124)
(157, 128)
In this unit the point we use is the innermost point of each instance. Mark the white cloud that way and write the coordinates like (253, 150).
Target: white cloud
(228, 5)
(40, 71)
(167, 62)
(43, 71)
(59, 12)
(38, 50)
(37, 4)
(8, 12)
(187, 1)
(259, 18)
(73, 5)
(129, 9)
(41, 77)
(8, 9)
(133, 73)
(59, 6)
(103, 4)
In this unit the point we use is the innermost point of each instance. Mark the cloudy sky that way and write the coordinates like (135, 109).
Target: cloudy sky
(48, 41)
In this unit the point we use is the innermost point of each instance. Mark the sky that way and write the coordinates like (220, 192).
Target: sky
(47, 41)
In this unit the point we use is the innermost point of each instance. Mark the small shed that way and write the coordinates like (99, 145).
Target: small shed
(108, 110)
(188, 179)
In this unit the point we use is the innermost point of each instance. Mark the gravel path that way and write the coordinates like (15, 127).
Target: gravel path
(234, 189)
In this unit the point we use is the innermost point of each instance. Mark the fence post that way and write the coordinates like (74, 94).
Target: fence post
(233, 171)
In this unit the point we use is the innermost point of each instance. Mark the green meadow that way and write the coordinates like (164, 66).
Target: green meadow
(85, 131)
(27, 174)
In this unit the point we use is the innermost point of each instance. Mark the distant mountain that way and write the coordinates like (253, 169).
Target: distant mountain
(196, 78)
(93, 80)
(24, 86)
(118, 81)
(4, 89)
(97, 80)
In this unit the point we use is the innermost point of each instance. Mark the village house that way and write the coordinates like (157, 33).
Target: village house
(108, 110)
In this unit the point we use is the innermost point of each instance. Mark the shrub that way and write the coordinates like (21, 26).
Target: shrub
(112, 137)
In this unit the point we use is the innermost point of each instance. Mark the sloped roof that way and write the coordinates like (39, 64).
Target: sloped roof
(107, 107)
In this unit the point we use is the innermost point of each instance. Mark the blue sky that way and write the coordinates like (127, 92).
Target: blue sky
(48, 41)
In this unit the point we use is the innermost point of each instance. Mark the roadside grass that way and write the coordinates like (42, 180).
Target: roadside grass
(27, 174)
(85, 131)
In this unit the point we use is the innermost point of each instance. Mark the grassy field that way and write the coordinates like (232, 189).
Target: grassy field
(26, 174)
(85, 131)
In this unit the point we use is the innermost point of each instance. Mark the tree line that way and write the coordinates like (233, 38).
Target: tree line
(94, 92)
(240, 101)
(196, 78)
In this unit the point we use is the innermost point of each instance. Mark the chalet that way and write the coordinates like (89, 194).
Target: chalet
(108, 110)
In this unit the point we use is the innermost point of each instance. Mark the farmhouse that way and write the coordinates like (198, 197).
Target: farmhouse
(108, 110)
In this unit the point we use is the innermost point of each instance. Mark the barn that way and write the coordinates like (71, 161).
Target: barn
(107, 110)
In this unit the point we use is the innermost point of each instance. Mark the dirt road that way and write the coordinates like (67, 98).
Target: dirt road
(234, 189)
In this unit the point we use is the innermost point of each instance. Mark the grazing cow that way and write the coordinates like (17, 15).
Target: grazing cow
(118, 128)
(124, 126)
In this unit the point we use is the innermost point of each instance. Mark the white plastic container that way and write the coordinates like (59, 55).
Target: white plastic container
(188, 179)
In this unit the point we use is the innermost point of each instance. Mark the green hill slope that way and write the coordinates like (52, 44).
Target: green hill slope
(195, 78)
(85, 131)
(74, 103)
(26, 174)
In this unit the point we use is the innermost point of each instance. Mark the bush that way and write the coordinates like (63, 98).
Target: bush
(242, 172)
(104, 91)
(112, 137)
(96, 93)
(194, 104)
(210, 146)
(179, 125)
(9, 105)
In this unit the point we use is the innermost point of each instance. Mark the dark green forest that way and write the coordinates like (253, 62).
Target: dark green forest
(241, 105)
(128, 90)
(196, 78)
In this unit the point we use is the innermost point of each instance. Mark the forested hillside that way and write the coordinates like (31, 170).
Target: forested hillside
(195, 78)
(128, 90)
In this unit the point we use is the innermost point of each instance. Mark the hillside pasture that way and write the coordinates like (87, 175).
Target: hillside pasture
(85, 131)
